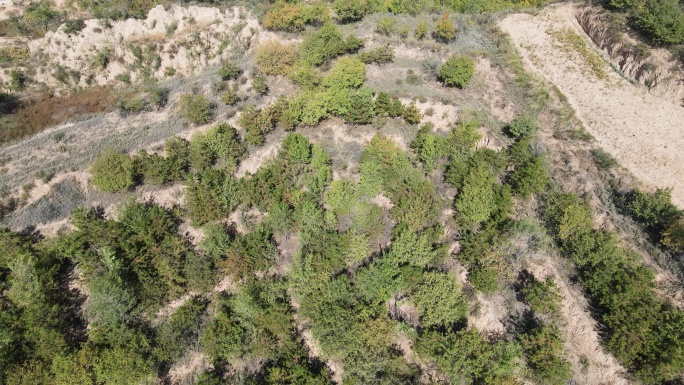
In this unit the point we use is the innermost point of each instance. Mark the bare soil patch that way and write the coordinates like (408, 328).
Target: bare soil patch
(642, 130)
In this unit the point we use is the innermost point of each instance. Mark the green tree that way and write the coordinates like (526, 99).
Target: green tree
(229, 71)
(660, 20)
(41, 14)
(543, 347)
(438, 299)
(196, 108)
(348, 72)
(444, 29)
(457, 71)
(476, 201)
(351, 10)
(112, 171)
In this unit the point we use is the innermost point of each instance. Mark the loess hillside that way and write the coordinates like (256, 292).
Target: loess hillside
(343, 192)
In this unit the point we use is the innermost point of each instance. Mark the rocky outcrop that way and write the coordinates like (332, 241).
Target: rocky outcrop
(652, 68)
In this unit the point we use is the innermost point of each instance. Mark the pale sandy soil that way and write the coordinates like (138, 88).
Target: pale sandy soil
(642, 131)
(204, 36)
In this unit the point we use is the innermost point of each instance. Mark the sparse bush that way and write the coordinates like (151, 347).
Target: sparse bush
(259, 84)
(275, 58)
(102, 58)
(411, 114)
(603, 160)
(386, 25)
(542, 296)
(112, 171)
(421, 29)
(45, 175)
(131, 105)
(230, 97)
(17, 80)
(457, 71)
(380, 55)
(229, 71)
(351, 10)
(196, 108)
(124, 78)
(74, 26)
(444, 29)
(171, 28)
(412, 78)
(522, 126)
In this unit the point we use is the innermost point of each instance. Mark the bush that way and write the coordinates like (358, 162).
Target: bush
(522, 126)
(259, 84)
(380, 55)
(230, 97)
(112, 171)
(661, 20)
(421, 29)
(74, 26)
(543, 347)
(284, 16)
(305, 75)
(196, 108)
(351, 10)
(542, 296)
(457, 71)
(326, 44)
(386, 25)
(411, 114)
(444, 29)
(348, 73)
(275, 58)
(229, 71)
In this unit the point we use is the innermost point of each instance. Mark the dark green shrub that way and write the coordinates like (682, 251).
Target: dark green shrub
(457, 71)
(411, 114)
(603, 160)
(112, 171)
(542, 296)
(326, 44)
(259, 84)
(654, 210)
(380, 55)
(351, 10)
(196, 108)
(523, 126)
(74, 26)
(661, 20)
(543, 348)
(203, 196)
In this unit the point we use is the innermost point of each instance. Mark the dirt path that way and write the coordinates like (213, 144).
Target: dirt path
(591, 365)
(642, 131)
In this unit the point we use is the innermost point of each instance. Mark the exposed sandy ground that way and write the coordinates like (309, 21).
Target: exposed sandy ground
(642, 131)
(203, 37)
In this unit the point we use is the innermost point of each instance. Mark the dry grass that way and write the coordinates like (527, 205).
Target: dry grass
(35, 115)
